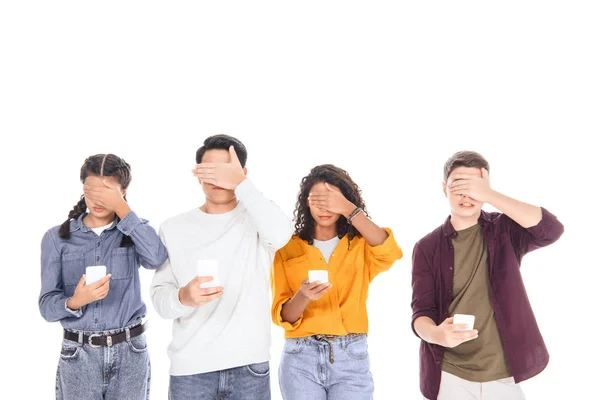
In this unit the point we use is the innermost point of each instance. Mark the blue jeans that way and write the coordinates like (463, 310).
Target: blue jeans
(119, 372)
(307, 373)
(250, 382)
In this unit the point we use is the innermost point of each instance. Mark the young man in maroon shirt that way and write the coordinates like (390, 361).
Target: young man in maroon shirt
(470, 265)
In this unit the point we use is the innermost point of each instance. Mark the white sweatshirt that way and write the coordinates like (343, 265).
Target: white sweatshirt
(233, 330)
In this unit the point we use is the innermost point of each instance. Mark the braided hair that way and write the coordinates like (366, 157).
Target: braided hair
(327, 173)
(99, 165)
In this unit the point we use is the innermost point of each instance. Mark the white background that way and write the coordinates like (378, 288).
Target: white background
(387, 91)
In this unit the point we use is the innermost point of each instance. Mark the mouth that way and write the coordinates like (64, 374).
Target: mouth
(324, 217)
(98, 209)
(466, 204)
(218, 188)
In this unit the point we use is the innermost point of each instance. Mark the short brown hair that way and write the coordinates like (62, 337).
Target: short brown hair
(470, 159)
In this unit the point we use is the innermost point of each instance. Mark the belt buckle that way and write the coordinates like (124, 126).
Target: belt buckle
(95, 346)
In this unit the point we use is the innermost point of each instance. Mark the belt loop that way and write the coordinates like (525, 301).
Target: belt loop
(127, 335)
(80, 338)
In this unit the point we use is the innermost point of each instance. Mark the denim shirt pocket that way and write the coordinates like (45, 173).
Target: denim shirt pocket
(73, 268)
(121, 263)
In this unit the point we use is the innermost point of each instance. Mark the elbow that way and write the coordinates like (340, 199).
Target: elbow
(280, 241)
(157, 260)
(45, 312)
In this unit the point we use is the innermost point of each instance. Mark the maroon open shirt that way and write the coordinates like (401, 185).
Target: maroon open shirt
(432, 283)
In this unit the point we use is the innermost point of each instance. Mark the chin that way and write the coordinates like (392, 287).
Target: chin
(221, 200)
(468, 213)
(104, 214)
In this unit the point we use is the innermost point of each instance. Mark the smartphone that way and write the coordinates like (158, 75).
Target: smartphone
(465, 319)
(209, 268)
(94, 273)
(318, 275)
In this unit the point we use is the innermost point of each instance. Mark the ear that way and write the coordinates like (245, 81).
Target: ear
(245, 170)
(485, 174)
(445, 189)
(124, 192)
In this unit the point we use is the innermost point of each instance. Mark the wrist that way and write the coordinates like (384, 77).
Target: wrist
(73, 304)
(123, 210)
(491, 197)
(181, 296)
(349, 208)
(239, 181)
(302, 298)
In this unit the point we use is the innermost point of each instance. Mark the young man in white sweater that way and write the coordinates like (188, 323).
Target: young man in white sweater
(221, 331)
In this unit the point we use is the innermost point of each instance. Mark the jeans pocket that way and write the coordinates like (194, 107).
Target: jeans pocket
(293, 346)
(259, 370)
(138, 344)
(70, 350)
(358, 350)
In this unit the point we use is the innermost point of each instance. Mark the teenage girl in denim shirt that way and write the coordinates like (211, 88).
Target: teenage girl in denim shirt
(104, 353)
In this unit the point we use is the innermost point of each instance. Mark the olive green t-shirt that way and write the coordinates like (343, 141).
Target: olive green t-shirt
(481, 359)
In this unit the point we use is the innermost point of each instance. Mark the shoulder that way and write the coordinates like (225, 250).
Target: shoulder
(430, 242)
(294, 248)
(178, 221)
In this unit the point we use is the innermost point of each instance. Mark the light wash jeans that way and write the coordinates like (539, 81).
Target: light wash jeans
(250, 382)
(118, 372)
(306, 371)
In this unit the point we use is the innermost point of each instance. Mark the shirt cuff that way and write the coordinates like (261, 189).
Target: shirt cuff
(546, 224)
(284, 324)
(73, 313)
(389, 246)
(128, 224)
(181, 309)
(245, 190)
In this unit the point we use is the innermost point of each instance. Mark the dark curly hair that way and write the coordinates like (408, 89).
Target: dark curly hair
(327, 173)
(99, 165)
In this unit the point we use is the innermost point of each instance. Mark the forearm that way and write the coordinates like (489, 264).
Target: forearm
(373, 234)
(122, 210)
(425, 327)
(273, 226)
(524, 214)
(292, 310)
(148, 246)
(54, 307)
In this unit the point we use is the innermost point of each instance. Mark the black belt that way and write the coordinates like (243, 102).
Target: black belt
(105, 339)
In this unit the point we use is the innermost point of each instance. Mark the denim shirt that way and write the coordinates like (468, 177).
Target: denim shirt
(64, 262)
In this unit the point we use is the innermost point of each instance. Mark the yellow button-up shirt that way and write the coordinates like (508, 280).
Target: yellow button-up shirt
(343, 308)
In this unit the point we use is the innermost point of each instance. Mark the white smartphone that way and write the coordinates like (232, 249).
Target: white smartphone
(465, 319)
(318, 275)
(209, 268)
(94, 273)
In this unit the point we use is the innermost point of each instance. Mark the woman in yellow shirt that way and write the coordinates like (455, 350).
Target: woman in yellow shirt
(325, 318)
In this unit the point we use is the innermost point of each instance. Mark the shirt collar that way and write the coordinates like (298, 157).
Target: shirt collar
(449, 231)
(78, 224)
